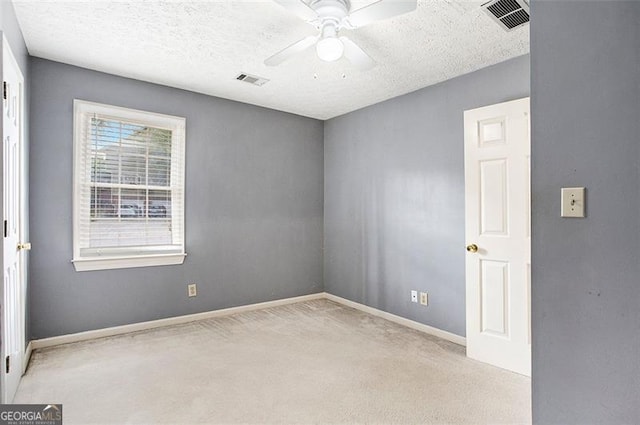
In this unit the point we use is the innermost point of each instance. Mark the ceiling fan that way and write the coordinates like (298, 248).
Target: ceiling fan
(329, 17)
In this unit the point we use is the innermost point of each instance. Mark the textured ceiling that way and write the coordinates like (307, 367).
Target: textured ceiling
(203, 45)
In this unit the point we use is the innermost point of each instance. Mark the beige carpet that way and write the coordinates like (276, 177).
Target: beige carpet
(311, 362)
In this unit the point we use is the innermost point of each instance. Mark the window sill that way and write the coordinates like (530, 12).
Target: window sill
(108, 263)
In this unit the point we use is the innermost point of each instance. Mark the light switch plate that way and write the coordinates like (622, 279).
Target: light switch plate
(573, 202)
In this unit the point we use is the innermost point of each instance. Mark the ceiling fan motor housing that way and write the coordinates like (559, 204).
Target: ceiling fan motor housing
(331, 15)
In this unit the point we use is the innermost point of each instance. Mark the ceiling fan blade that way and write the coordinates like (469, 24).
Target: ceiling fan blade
(298, 8)
(383, 9)
(294, 49)
(356, 55)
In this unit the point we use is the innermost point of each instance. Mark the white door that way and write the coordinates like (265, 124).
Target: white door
(497, 150)
(13, 252)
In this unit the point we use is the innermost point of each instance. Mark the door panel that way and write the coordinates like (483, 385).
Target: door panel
(492, 132)
(493, 197)
(13, 290)
(497, 197)
(494, 298)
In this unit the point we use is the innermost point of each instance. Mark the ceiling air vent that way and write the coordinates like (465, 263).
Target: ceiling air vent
(252, 79)
(509, 14)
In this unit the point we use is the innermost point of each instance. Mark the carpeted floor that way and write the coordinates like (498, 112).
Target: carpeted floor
(311, 362)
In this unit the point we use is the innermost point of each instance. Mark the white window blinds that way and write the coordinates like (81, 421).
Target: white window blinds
(129, 187)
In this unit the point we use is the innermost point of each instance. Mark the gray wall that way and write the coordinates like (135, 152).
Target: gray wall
(585, 61)
(254, 197)
(9, 27)
(394, 196)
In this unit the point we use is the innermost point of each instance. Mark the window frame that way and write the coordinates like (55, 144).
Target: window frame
(127, 257)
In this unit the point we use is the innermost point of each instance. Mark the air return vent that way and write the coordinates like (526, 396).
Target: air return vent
(509, 14)
(251, 79)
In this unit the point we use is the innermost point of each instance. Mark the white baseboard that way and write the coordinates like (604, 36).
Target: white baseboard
(27, 356)
(457, 339)
(136, 327)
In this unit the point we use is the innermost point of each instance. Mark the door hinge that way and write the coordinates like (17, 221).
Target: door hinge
(4, 90)
(5, 228)
(7, 364)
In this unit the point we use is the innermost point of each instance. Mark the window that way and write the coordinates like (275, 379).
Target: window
(128, 188)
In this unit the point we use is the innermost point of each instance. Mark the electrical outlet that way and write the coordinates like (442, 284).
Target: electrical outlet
(424, 298)
(192, 290)
(414, 296)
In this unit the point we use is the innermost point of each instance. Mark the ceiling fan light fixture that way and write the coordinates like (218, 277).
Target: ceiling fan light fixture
(330, 49)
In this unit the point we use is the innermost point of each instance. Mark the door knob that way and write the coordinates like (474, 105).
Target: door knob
(24, 246)
(472, 248)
